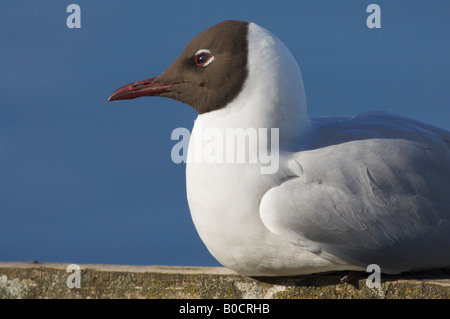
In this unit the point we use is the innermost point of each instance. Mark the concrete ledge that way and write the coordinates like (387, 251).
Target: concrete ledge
(49, 280)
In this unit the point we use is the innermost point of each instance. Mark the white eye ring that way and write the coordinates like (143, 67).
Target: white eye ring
(207, 52)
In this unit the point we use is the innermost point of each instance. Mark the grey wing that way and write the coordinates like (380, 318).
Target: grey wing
(382, 201)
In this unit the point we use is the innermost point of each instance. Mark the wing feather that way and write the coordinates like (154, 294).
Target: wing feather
(382, 199)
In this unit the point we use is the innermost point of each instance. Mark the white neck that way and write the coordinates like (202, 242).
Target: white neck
(273, 95)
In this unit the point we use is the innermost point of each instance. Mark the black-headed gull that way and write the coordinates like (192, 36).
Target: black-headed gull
(346, 192)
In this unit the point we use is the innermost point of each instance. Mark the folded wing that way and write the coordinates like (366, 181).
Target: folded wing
(379, 193)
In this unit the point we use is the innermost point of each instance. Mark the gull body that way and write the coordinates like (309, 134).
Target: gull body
(348, 192)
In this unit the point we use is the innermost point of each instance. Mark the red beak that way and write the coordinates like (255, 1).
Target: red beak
(141, 88)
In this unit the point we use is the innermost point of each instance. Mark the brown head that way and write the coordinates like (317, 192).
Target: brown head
(209, 73)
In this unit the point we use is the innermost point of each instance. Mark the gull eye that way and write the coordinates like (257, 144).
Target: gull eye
(203, 58)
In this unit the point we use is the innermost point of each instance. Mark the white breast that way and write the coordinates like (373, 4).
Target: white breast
(224, 198)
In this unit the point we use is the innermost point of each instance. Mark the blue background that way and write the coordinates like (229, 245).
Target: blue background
(83, 180)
